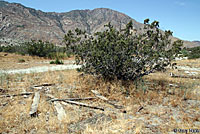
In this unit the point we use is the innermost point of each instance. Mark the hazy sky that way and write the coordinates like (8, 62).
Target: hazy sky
(180, 16)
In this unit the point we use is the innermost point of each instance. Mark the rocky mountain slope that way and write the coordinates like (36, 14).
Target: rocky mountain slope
(19, 23)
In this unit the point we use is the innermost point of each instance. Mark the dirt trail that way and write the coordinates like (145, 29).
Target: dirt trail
(188, 68)
(40, 69)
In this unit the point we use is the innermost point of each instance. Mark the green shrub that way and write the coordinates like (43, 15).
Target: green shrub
(1, 48)
(21, 60)
(57, 61)
(193, 53)
(8, 49)
(40, 48)
(125, 55)
(36, 48)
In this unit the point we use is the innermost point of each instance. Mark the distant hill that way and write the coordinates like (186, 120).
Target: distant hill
(19, 23)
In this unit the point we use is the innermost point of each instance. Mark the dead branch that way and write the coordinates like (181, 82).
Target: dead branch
(40, 87)
(140, 108)
(74, 99)
(45, 85)
(34, 106)
(14, 95)
(3, 90)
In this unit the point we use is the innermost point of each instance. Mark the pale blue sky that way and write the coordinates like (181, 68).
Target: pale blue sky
(180, 16)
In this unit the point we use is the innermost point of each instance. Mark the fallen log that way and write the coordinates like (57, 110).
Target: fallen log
(34, 106)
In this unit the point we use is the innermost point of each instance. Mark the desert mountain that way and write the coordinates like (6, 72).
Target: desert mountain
(19, 23)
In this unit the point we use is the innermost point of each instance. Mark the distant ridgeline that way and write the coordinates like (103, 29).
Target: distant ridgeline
(20, 23)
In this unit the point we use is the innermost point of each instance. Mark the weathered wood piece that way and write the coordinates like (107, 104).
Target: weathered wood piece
(35, 104)
(97, 94)
(59, 109)
(76, 103)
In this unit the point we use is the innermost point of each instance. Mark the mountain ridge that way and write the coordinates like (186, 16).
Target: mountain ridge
(18, 22)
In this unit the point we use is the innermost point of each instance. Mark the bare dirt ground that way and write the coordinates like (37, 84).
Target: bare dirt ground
(159, 105)
(12, 65)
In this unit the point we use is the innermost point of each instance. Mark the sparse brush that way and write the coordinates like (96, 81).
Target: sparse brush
(21, 60)
(60, 80)
(2, 79)
(57, 61)
(5, 78)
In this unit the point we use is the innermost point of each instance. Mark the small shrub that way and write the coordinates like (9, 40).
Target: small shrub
(21, 60)
(40, 48)
(8, 49)
(194, 53)
(57, 61)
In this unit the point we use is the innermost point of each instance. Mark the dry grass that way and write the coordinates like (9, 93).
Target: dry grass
(159, 101)
(190, 63)
(12, 61)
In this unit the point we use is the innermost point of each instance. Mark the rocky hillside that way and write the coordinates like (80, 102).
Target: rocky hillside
(19, 23)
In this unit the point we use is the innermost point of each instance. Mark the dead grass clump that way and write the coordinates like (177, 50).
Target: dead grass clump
(115, 89)
(114, 127)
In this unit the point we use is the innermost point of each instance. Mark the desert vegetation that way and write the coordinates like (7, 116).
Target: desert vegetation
(37, 48)
(123, 85)
(192, 53)
(124, 55)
